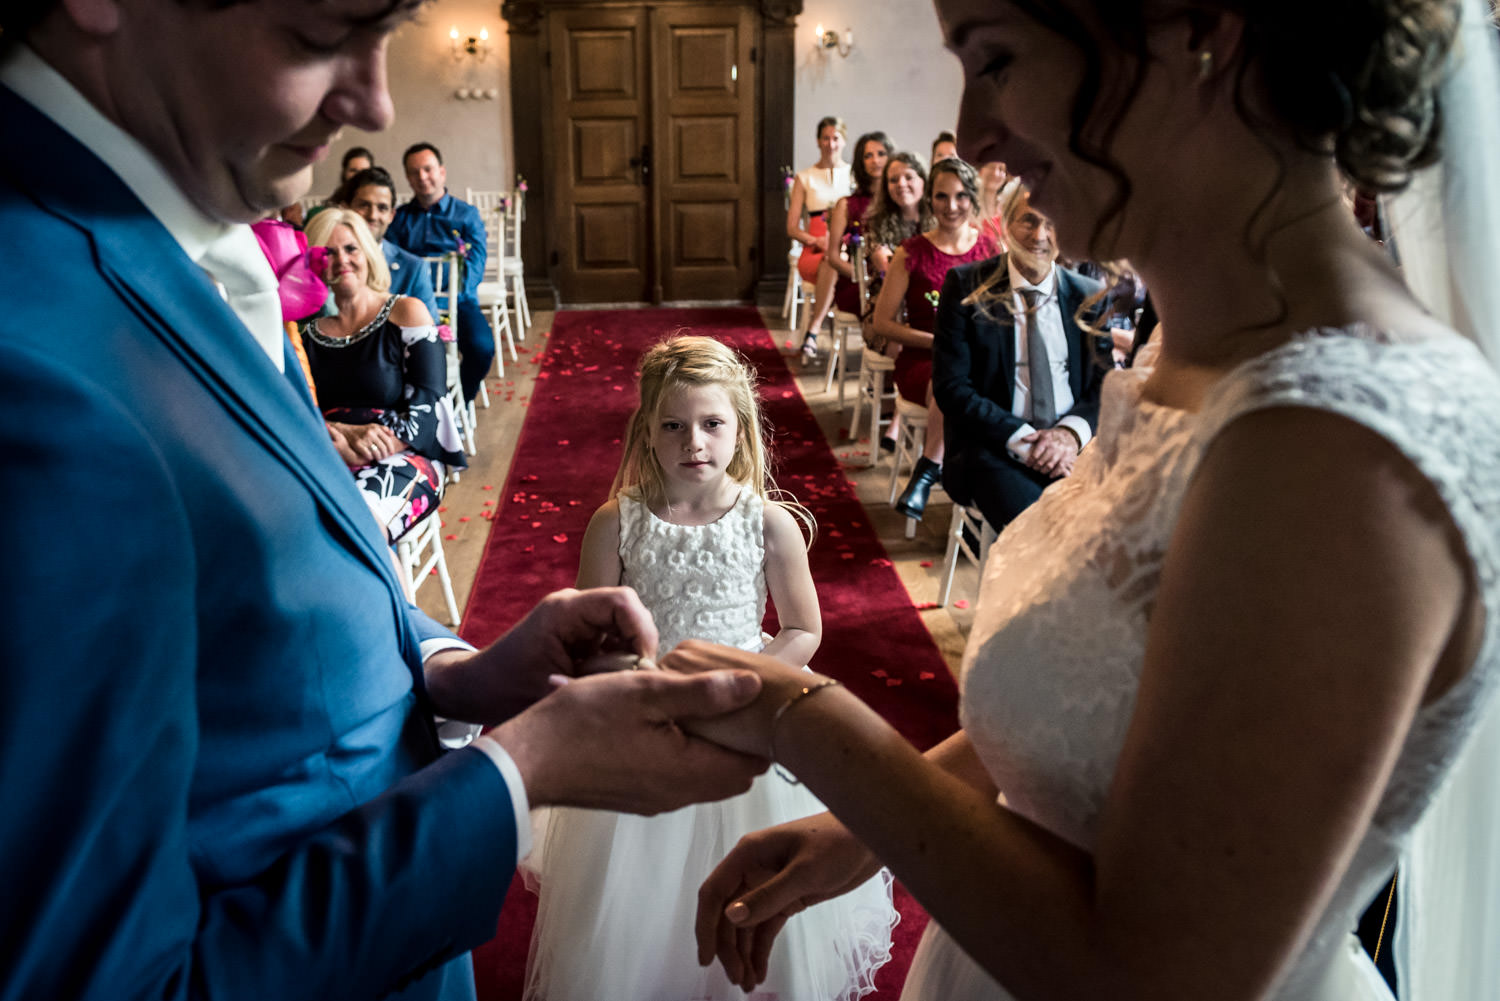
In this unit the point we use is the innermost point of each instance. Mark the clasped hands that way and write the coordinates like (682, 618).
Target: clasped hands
(1053, 451)
(586, 731)
(362, 444)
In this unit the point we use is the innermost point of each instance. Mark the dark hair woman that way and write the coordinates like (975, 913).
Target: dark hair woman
(835, 285)
(1222, 670)
(906, 311)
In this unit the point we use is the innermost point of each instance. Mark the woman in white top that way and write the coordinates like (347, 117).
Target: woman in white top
(815, 189)
(1221, 671)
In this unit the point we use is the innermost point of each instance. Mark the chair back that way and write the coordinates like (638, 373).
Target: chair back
(446, 283)
(494, 244)
(514, 217)
(486, 201)
(495, 209)
(862, 275)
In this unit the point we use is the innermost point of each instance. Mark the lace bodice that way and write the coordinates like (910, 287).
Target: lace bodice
(1053, 662)
(699, 581)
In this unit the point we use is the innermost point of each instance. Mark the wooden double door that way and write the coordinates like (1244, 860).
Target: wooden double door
(652, 141)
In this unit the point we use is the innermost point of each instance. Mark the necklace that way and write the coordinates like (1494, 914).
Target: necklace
(322, 339)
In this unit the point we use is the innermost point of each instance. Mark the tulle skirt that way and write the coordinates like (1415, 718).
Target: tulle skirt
(942, 971)
(619, 897)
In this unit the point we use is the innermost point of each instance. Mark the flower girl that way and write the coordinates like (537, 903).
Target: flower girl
(692, 527)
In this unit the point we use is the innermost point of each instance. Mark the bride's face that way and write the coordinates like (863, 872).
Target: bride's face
(1021, 79)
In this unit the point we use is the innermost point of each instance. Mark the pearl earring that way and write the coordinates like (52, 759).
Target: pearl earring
(1205, 64)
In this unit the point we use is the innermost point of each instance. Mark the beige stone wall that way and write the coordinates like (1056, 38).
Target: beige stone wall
(474, 134)
(897, 78)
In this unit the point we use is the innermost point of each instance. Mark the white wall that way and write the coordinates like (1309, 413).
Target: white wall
(474, 135)
(897, 78)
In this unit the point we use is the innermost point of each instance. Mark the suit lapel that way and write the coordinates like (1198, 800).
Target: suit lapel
(176, 300)
(1007, 333)
(1069, 296)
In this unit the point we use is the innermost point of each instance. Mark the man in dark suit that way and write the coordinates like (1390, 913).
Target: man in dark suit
(1016, 377)
(372, 194)
(221, 774)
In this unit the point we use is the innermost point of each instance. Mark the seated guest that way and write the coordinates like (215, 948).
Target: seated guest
(381, 373)
(835, 285)
(1015, 375)
(356, 159)
(434, 223)
(944, 147)
(372, 194)
(913, 280)
(814, 191)
(898, 213)
(995, 187)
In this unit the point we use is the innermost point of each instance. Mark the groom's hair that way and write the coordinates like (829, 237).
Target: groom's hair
(18, 17)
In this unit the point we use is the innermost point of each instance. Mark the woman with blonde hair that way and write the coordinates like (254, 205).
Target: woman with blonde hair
(381, 377)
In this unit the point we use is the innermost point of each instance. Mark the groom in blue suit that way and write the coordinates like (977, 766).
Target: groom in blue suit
(218, 761)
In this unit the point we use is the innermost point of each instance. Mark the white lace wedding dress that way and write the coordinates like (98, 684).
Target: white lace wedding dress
(619, 893)
(1054, 659)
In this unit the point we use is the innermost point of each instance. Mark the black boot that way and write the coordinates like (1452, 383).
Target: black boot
(913, 500)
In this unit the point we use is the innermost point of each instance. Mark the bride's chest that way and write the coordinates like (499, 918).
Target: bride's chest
(1054, 659)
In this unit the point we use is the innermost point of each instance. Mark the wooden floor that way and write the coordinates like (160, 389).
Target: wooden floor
(919, 561)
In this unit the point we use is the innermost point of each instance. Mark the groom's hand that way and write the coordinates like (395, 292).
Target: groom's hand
(612, 742)
(569, 633)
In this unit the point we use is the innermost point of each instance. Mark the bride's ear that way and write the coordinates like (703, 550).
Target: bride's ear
(1200, 46)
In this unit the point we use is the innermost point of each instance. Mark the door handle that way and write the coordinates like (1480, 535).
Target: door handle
(644, 162)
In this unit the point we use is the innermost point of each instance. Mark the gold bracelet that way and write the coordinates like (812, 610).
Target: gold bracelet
(801, 694)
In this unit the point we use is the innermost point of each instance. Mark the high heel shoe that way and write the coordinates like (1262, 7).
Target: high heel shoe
(913, 500)
(809, 348)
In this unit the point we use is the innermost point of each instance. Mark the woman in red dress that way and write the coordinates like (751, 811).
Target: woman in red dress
(914, 281)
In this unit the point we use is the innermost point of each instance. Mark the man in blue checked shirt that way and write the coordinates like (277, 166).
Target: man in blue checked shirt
(435, 223)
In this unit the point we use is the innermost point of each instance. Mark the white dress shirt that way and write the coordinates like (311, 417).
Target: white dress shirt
(1049, 318)
(200, 236)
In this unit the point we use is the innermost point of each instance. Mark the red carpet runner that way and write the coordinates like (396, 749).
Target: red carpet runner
(873, 639)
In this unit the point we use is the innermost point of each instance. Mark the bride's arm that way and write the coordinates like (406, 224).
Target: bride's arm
(1312, 584)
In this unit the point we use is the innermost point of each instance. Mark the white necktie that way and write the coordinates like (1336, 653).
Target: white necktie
(237, 263)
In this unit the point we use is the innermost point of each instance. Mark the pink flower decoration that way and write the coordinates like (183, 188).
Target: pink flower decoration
(445, 333)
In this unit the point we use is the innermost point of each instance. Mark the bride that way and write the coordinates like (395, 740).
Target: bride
(1220, 672)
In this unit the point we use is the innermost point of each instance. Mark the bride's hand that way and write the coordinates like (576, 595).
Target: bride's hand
(750, 729)
(770, 876)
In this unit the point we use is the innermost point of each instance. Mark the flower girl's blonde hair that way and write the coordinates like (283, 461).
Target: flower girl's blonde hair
(684, 360)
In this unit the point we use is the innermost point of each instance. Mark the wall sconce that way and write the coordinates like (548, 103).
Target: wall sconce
(477, 46)
(831, 40)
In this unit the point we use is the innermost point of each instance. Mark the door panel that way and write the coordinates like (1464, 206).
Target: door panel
(600, 198)
(705, 120)
(653, 164)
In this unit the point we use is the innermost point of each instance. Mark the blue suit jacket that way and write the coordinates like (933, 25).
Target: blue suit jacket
(219, 773)
(436, 231)
(409, 276)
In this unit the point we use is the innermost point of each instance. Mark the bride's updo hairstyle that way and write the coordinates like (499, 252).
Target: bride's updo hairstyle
(1354, 79)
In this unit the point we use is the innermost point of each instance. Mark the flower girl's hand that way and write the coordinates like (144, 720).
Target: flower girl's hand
(768, 877)
(748, 730)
